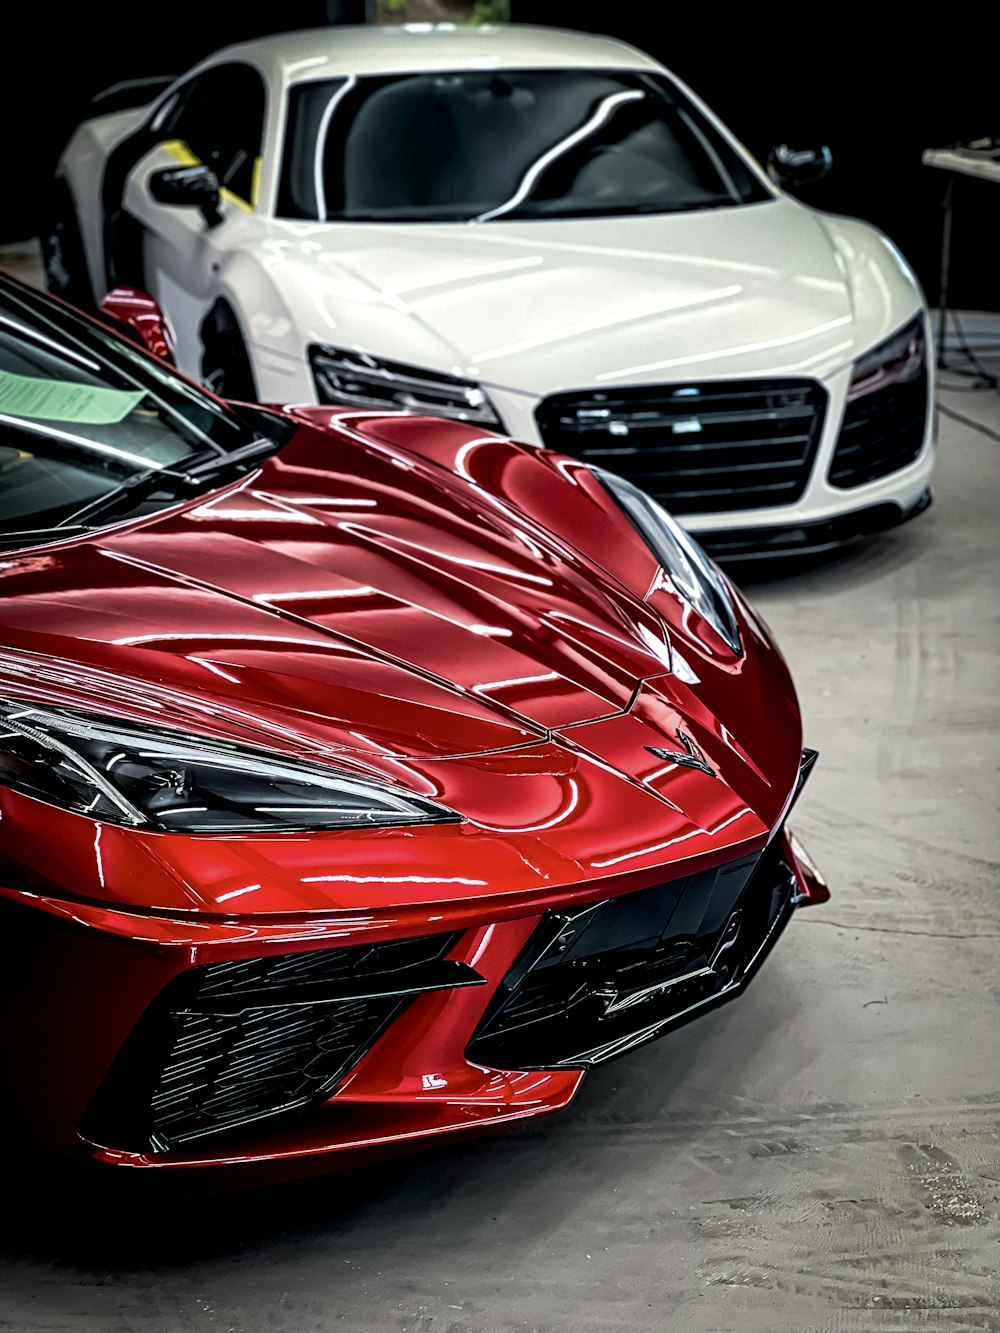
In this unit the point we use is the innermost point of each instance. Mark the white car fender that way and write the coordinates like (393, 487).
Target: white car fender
(283, 305)
(263, 307)
(879, 290)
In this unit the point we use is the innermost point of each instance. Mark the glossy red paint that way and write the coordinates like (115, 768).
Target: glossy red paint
(141, 319)
(419, 604)
(813, 889)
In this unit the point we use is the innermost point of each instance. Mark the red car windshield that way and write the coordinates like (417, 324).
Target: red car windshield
(93, 429)
(475, 146)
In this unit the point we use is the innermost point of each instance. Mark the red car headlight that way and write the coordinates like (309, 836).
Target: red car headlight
(140, 776)
(694, 577)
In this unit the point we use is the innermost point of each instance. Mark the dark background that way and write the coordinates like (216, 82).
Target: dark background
(876, 89)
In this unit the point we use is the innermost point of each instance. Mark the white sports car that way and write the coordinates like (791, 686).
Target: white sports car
(539, 231)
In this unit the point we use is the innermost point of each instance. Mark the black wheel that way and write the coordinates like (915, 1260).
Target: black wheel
(225, 362)
(62, 253)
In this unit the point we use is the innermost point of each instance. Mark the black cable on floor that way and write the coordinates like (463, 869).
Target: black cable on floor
(968, 421)
(989, 379)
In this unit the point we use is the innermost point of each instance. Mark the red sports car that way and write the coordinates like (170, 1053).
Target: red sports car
(362, 778)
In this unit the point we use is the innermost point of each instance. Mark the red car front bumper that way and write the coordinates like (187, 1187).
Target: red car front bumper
(143, 1041)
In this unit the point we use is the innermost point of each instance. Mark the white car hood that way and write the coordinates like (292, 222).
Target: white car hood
(536, 307)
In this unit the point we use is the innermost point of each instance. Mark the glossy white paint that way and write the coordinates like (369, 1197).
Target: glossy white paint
(528, 308)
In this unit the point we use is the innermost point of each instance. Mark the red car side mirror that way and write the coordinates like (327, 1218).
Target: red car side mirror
(141, 320)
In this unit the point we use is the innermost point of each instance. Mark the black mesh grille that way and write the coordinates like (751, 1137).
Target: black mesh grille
(594, 982)
(882, 432)
(231, 1043)
(697, 448)
(228, 1069)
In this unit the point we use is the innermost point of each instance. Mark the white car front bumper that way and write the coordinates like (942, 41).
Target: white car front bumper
(823, 514)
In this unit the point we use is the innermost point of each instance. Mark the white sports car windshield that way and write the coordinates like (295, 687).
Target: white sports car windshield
(474, 146)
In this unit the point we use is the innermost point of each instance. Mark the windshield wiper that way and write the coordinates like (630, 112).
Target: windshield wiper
(566, 212)
(245, 456)
(689, 206)
(177, 484)
(125, 501)
(142, 486)
(29, 537)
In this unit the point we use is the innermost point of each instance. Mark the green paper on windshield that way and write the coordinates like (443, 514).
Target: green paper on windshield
(57, 400)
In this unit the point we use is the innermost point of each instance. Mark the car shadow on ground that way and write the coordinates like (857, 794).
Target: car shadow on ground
(855, 562)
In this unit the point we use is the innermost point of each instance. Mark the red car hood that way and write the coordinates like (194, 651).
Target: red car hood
(412, 598)
(349, 595)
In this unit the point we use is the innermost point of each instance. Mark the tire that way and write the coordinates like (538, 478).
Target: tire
(63, 256)
(225, 362)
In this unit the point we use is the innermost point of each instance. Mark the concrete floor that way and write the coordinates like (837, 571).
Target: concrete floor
(823, 1155)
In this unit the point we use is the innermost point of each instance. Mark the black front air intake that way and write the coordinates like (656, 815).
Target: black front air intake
(696, 448)
(232, 1043)
(593, 982)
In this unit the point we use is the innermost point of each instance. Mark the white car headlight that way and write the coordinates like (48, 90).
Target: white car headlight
(695, 578)
(140, 776)
(355, 379)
